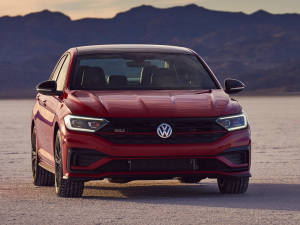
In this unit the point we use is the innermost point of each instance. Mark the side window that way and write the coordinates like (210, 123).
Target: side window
(57, 68)
(62, 74)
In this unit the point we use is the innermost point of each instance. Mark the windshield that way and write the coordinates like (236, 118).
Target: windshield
(140, 71)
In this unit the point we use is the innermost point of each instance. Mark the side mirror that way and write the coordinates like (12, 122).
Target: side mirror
(48, 88)
(233, 86)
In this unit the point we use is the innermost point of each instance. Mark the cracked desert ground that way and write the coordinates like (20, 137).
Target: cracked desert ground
(273, 196)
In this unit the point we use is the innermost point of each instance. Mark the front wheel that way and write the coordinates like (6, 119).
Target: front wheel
(233, 185)
(63, 187)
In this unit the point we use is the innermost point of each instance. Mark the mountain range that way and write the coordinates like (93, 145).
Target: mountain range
(261, 49)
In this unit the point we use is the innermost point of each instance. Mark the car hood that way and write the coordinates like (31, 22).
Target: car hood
(151, 103)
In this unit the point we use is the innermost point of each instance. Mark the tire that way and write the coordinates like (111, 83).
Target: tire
(63, 187)
(189, 180)
(233, 185)
(40, 176)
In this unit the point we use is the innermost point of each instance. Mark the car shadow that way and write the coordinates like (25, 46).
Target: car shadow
(258, 196)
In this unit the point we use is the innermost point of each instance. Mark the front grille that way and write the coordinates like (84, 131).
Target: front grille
(85, 157)
(155, 139)
(162, 165)
(154, 165)
(144, 131)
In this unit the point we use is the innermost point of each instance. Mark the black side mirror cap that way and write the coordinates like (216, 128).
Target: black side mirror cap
(48, 88)
(233, 86)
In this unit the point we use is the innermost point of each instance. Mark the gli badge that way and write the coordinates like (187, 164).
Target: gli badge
(119, 130)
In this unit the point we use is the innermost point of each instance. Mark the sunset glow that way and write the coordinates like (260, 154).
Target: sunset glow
(78, 9)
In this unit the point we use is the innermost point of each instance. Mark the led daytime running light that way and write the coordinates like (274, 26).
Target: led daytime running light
(85, 124)
(232, 123)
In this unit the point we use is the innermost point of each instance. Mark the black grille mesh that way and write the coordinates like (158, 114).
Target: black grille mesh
(143, 131)
(159, 165)
(85, 157)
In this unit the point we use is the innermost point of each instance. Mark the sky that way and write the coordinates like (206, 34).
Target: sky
(77, 9)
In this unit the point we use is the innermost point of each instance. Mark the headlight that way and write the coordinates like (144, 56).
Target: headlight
(85, 124)
(232, 123)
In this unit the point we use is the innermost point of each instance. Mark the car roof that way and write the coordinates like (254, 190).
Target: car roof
(127, 48)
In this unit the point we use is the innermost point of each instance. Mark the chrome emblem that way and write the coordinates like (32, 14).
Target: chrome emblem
(164, 130)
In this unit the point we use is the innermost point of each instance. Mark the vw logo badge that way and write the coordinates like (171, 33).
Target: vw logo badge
(164, 130)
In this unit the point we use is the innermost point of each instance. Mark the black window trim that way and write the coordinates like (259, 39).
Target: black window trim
(58, 62)
(67, 54)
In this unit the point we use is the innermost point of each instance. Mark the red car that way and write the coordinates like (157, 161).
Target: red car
(137, 112)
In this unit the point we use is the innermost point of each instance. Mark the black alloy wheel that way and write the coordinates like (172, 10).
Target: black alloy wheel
(63, 187)
(40, 176)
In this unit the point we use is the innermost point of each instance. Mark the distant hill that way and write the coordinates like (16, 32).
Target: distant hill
(261, 49)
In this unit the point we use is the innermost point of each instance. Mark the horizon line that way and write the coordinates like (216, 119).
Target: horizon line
(145, 5)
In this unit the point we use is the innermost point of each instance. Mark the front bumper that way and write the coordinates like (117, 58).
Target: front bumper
(87, 156)
(87, 164)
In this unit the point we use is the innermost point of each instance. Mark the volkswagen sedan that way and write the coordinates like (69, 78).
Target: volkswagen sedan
(137, 112)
